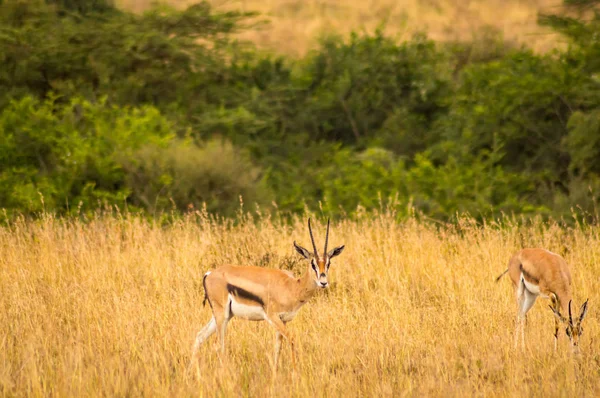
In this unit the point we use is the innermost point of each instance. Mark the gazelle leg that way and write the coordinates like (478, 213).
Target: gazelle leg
(278, 339)
(201, 337)
(520, 292)
(556, 329)
(279, 326)
(222, 318)
(519, 331)
(527, 303)
(556, 322)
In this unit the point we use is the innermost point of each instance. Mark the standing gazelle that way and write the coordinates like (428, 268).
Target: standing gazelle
(536, 272)
(263, 294)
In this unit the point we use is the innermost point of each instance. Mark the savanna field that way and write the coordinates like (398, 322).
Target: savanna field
(295, 26)
(120, 118)
(110, 305)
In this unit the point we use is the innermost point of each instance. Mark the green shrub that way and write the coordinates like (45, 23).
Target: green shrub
(67, 153)
(216, 175)
(166, 109)
(375, 177)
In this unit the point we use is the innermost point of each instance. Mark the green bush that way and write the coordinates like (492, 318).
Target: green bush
(174, 60)
(188, 176)
(67, 153)
(347, 92)
(166, 109)
(375, 177)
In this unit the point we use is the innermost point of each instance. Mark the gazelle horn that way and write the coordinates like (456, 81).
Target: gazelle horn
(326, 239)
(570, 317)
(312, 239)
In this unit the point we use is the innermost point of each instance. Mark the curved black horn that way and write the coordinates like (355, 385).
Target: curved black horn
(326, 238)
(312, 239)
(570, 317)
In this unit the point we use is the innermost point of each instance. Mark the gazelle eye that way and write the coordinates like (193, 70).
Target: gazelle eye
(314, 267)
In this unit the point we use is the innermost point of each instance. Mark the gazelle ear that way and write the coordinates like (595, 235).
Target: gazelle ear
(558, 315)
(305, 253)
(336, 252)
(583, 311)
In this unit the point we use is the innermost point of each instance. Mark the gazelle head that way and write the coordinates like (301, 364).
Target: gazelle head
(574, 329)
(319, 264)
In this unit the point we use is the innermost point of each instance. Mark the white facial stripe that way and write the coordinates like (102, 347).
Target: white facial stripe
(315, 268)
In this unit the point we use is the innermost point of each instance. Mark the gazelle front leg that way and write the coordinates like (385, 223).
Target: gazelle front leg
(555, 306)
(278, 340)
(279, 326)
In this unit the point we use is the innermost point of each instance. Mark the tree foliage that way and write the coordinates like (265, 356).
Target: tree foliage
(166, 109)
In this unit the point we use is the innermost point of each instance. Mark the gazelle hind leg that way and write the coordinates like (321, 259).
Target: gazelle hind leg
(527, 303)
(525, 300)
(520, 293)
(222, 319)
(201, 337)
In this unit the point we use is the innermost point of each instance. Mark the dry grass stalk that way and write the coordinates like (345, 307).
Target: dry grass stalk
(295, 25)
(110, 307)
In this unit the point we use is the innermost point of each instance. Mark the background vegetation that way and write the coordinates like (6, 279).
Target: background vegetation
(169, 109)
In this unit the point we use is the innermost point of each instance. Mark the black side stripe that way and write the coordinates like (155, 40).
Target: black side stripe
(239, 292)
(528, 276)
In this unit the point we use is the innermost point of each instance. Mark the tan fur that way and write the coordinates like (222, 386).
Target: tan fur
(265, 294)
(278, 290)
(547, 270)
(546, 274)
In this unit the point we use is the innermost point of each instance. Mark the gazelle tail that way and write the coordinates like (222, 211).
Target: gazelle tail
(501, 275)
(205, 292)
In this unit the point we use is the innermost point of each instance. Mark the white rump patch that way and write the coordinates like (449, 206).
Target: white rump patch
(249, 312)
(207, 274)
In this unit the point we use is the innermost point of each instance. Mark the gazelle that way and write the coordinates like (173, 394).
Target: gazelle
(263, 294)
(536, 272)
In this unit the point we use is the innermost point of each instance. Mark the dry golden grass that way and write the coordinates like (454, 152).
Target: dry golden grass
(297, 24)
(110, 307)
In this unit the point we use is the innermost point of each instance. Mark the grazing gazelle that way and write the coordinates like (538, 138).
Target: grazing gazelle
(536, 272)
(263, 294)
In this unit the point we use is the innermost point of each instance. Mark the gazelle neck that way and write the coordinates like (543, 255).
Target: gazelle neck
(563, 300)
(307, 285)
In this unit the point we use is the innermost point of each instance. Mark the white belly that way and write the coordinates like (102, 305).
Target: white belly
(250, 312)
